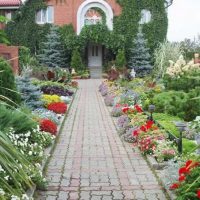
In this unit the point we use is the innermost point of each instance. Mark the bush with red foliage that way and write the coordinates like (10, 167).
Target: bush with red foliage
(59, 107)
(48, 126)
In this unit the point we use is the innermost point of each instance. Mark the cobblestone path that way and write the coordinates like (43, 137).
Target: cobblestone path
(90, 162)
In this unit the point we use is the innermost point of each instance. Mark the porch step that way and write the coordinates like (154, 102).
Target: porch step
(96, 72)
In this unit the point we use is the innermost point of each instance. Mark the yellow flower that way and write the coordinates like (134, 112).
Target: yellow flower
(48, 99)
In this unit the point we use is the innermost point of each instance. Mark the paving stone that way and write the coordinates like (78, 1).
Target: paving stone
(91, 162)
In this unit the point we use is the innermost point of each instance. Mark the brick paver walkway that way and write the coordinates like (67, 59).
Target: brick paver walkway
(90, 161)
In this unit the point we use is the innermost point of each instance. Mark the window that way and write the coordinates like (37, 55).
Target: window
(45, 15)
(145, 17)
(8, 15)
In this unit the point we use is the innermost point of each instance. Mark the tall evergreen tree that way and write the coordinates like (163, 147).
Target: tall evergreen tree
(139, 56)
(52, 52)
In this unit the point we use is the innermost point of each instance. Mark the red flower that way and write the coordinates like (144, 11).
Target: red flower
(138, 108)
(198, 193)
(143, 128)
(48, 126)
(182, 178)
(183, 170)
(136, 133)
(125, 109)
(174, 186)
(188, 163)
(59, 108)
(149, 124)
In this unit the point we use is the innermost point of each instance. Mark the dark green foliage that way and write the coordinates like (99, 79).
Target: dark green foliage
(15, 119)
(139, 57)
(76, 61)
(178, 103)
(69, 40)
(7, 83)
(30, 93)
(23, 30)
(186, 82)
(127, 23)
(3, 36)
(100, 34)
(192, 105)
(52, 51)
(120, 59)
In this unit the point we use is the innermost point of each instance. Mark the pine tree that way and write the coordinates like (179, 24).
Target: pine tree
(30, 94)
(52, 52)
(139, 56)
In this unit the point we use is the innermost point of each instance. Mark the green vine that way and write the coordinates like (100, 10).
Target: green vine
(127, 23)
(23, 30)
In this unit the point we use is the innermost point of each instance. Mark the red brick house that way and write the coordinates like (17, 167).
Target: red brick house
(78, 13)
(7, 8)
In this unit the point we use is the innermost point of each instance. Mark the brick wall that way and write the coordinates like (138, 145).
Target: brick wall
(11, 53)
(66, 12)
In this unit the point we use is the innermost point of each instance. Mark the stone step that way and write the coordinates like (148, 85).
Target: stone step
(95, 72)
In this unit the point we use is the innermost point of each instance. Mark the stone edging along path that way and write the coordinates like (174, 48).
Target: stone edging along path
(91, 162)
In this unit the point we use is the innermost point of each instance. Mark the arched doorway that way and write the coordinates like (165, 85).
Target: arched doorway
(88, 4)
(92, 12)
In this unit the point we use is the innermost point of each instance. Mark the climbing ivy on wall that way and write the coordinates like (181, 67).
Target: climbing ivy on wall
(23, 30)
(127, 23)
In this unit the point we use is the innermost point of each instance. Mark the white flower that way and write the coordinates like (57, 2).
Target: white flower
(25, 197)
(13, 197)
(2, 193)
(6, 178)
(30, 153)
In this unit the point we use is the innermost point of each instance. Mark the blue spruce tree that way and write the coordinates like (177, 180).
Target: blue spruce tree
(139, 58)
(30, 94)
(52, 51)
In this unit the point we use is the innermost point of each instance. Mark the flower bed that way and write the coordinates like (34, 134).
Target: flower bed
(28, 144)
(154, 138)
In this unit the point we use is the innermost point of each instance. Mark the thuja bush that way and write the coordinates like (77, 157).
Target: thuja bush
(7, 83)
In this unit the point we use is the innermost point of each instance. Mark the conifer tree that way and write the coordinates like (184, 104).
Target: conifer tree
(139, 59)
(52, 52)
(30, 94)
(120, 60)
(76, 61)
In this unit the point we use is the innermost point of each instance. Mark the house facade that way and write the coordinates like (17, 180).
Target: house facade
(80, 13)
(7, 8)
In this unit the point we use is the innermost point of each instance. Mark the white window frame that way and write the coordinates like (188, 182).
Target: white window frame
(145, 16)
(44, 13)
(8, 15)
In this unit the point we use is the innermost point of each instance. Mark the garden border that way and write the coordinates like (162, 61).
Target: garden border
(155, 167)
(48, 151)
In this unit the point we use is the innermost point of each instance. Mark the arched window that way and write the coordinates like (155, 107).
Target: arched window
(145, 16)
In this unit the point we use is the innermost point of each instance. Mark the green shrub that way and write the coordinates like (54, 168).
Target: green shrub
(171, 102)
(120, 60)
(16, 119)
(186, 82)
(188, 145)
(167, 122)
(76, 61)
(7, 83)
